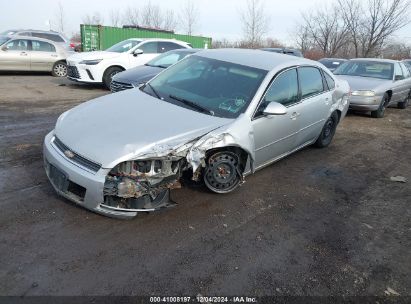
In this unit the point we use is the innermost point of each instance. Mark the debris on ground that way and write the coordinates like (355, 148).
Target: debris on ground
(391, 291)
(398, 179)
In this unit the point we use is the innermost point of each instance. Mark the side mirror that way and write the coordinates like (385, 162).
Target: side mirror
(4, 48)
(398, 77)
(137, 52)
(275, 108)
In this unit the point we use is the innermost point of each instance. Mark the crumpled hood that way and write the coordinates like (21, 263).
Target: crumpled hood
(77, 57)
(364, 83)
(128, 124)
(138, 74)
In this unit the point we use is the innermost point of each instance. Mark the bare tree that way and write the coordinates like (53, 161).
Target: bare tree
(255, 22)
(151, 15)
(60, 18)
(115, 17)
(326, 28)
(189, 17)
(169, 20)
(131, 16)
(371, 22)
(302, 38)
(94, 19)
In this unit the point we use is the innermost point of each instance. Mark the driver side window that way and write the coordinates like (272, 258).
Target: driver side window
(284, 90)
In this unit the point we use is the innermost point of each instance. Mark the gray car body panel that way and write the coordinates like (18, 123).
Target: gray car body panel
(110, 130)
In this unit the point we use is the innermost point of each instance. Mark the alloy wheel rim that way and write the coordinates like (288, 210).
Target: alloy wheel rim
(60, 70)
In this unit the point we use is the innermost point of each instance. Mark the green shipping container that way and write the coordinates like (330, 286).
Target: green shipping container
(98, 37)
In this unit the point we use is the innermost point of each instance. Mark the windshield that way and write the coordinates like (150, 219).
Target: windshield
(167, 59)
(374, 69)
(3, 40)
(123, 46)
(331, 64)
(217, 87)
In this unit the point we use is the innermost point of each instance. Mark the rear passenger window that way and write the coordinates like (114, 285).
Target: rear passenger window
(168, 46)
(149, 48)
(330, 81)
(311, 81)
(405, 70)
(41, 46)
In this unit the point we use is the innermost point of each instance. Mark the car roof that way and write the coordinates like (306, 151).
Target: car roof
(34, 38)
(341, 59)
(255, 58)
(157, 39)
(375, 60)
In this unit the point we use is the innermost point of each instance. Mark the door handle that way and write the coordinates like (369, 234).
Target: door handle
(23, 54)
(294, 115)
(53, 55)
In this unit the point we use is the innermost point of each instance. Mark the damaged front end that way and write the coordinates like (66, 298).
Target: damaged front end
(143, 185)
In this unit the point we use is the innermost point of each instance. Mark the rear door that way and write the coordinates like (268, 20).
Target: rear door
(15, 55)
(43, 55)
(315, 104)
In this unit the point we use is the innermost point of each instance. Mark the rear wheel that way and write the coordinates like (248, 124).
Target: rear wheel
(328, 131)
(381, 110)
(108, 75)
(222, 173)
(404, 104)
(59, 69)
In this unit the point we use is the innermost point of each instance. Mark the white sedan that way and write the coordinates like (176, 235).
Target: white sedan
(101, 66)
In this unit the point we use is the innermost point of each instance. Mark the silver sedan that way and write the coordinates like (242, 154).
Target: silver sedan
(376, 84)
(21, 53)
(216, 116)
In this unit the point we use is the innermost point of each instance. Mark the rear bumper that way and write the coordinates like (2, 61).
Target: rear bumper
(78, 177)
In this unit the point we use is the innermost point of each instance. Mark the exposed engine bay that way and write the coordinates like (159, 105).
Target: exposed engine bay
(143, 184)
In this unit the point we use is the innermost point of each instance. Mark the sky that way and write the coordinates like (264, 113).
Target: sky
(217, 18)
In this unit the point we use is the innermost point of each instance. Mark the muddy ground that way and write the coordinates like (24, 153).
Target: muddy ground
(320, 222)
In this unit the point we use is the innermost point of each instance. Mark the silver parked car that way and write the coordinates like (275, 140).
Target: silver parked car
(217, 115)
(49, 35)
(376, 84)
(33, 54)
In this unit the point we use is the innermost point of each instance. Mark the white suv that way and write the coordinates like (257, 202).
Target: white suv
(101, 66)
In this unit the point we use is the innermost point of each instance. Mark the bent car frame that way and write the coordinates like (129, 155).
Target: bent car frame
(216, 116)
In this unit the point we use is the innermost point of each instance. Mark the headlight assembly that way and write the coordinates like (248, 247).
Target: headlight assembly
(91, 62)
(363, 93)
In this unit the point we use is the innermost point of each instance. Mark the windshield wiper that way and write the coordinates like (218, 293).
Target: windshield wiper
(152, 89)
(192, 105)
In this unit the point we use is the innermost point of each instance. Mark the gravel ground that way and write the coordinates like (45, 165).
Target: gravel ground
(320, 222)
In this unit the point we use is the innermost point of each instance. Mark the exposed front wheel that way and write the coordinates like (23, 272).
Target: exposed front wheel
(381, 110)
(108, 75)
(328, 131)
(222, 173)
(59, 69)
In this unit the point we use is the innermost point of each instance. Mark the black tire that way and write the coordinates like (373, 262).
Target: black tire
(222, 173)
(404, 104)
(381, 110)
(108, 75)
(328, 131)
(59, 69)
